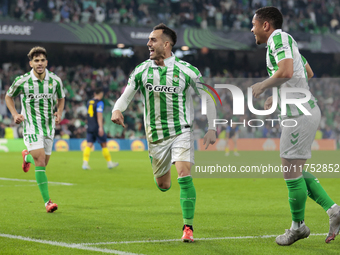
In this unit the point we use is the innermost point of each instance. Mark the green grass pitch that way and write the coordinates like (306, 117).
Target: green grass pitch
(123, 204)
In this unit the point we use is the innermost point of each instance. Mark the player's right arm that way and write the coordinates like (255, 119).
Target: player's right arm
(13, 91)
(18, 118)
(124, 100)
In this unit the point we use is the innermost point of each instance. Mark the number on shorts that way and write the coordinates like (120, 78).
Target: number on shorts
(32, 138)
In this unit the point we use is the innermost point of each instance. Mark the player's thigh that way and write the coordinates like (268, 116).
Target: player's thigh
(91, 137)
(101, 139)
(160, 156)
(296, 142)
(182, 151)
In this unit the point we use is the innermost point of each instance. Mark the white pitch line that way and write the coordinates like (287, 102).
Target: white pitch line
(67, 245)
(23, 180)
(198, 239)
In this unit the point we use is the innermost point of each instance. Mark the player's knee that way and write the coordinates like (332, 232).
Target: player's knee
(164, 186)
(183, 172)
(40, 162)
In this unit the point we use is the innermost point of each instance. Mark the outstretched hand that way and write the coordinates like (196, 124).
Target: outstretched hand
(209, 138)
(118, 118)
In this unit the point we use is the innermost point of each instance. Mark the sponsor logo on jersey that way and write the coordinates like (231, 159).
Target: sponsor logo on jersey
(162, 88)
(39, 96)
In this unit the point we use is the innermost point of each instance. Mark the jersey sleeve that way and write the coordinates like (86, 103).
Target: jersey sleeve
(60, 89)
(282, 47)
(100, 106)
(304, 60)
(134, 80)
(16, 88)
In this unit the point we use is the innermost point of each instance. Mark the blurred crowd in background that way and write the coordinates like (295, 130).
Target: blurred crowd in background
(319, 16)
(80, 82)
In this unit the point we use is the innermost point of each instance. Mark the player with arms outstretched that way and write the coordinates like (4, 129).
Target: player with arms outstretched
(39, 90)
(288, 69)
(164, 81)
(95, 129)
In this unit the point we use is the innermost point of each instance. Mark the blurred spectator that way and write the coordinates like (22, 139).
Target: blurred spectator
(310, 16)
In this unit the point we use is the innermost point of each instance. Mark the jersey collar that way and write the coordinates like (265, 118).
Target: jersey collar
(34, 78)
(170, 61)
(272, 34)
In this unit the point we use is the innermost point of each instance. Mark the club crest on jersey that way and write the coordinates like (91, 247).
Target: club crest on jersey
(162, 88)
(30, 86)
(176, 78)
(50, 86)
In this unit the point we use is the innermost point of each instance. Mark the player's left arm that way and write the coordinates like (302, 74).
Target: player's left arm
(61, 101)
(282, 75)
(210, 136)
(100, 109)
(60, 108)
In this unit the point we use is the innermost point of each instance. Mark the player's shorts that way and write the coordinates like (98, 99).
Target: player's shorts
(35, 142)
(92, 137)
(165, 152)
(296, 142)
(230, 132)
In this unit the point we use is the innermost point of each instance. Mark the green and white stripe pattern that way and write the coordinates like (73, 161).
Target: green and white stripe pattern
(38, 99)
(168, 106)
(281, 45)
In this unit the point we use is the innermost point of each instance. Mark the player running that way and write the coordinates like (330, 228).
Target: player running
(95, 130)
(164, 81)
(39, 90)
(287, 69)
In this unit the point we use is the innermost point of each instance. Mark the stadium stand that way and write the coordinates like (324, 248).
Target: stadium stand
(303, 15)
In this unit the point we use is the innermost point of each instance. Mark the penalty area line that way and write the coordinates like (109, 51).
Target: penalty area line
(196, 239)
(24, 180)
(66, 245)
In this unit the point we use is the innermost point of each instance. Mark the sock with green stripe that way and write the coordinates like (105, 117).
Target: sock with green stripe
(29, 159)
(187, 199)
(316, 192)
(41, 178)
(297, 196)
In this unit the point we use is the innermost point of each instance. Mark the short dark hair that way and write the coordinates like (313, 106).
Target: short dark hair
(168, 32)
(270, 14)
(36, 51)
(98, 90)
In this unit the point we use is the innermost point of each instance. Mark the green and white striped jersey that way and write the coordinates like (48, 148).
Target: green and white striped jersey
(38, 99)
(168, 106)
(281, 45)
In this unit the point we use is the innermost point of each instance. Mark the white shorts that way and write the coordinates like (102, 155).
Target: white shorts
(35, 142)
(296, 142)
(165, 152)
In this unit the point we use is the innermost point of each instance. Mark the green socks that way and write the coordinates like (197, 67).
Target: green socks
(316, 192)
(297, 196)
(187, 199)
(41, 178)
(29, 159)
